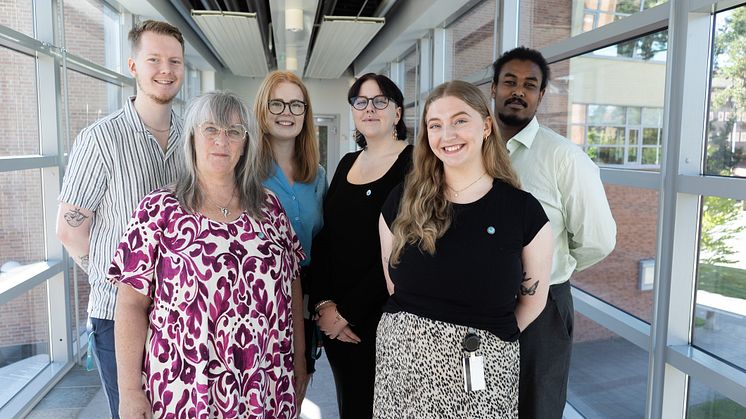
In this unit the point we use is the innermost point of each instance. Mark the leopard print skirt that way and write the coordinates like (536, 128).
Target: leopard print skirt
(419, 372)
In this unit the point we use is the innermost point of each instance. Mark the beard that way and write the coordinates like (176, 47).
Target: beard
(161, 100)
(513, 120)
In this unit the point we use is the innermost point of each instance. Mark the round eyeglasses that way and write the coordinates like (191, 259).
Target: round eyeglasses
(361, 102)
(277, 106)
(235, 133)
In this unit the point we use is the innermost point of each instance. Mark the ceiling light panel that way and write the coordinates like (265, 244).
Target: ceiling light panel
(292, 23)
(339, 42)
(236, 38)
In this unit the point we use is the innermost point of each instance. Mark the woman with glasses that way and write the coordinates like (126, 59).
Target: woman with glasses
(203, 322)
(349, 289)
(290, 149)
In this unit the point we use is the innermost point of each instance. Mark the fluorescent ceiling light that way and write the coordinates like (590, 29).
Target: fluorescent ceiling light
(339, 41)
(236, 38)
(292, 22)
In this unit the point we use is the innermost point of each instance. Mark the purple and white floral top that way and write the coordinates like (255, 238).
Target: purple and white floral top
(219, 342)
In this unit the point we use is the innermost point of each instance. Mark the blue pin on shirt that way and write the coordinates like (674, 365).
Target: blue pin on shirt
(490, 230)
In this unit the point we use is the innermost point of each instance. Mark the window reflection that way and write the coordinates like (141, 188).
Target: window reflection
(471, 40)
(706, 403)
(720, 310)
(608, 374)
(726, 139)
(544, 22)
(589, 100)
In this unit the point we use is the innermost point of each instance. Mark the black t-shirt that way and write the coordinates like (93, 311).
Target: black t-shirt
(346, 262)
(474, 276)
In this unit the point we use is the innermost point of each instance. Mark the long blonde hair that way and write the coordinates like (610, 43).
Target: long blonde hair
(424, 211)
(306, 146)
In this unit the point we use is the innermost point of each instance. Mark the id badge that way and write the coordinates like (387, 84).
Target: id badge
(474, 372)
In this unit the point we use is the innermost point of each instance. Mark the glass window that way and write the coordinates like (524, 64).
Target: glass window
(90, 99)
(621, 279)
(544, 22)
(18, 15)
(589, 100)
(726, 134)
(80, 290)
(720, 309)
(706, 403)
(471, 39)
(20, 227)
(92, 32)
(24, 340)
(608, 374)
(19, 121)
(411, 76)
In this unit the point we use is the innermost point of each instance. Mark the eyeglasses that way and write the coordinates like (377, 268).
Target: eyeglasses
(277, 106)
(361, 102)
(235, 133)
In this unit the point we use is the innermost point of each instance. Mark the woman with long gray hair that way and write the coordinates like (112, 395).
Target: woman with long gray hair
(203, 318)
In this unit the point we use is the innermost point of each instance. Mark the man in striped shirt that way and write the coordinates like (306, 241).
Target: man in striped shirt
(113, 164)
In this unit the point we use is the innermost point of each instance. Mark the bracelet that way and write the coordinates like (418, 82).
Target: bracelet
(321, 304)
(339, 317)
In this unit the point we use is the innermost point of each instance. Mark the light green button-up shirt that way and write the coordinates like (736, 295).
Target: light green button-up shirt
(567, 183)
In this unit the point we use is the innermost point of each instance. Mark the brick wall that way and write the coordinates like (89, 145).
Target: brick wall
(25, 319)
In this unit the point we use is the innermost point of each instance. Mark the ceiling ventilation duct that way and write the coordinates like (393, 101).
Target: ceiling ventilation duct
(339, 41)
(233, 35)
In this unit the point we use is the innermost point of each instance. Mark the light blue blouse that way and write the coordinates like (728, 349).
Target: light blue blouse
(303, 204)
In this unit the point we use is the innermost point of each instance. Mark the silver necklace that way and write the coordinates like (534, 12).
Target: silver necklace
(156, 129)
(223, 209)
(456, 192)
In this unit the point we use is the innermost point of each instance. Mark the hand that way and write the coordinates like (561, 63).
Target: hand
(329, 322)
(347, 335)
(134, 404)
(302, 378)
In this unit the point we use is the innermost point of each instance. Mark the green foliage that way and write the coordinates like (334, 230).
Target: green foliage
(719, 226)
(722, 280)
(717, 409)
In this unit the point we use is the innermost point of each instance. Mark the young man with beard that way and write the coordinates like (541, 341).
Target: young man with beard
(114, 163)
(567, 184)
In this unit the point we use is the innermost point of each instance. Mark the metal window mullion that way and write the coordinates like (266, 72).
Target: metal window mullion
(612, 318)
(725, 187)
(49, 83)
(507, 32)
(677, 237)
(637, 25)
(721, 376)
(13, 163)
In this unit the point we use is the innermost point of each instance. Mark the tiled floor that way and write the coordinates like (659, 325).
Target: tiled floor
(79, 395)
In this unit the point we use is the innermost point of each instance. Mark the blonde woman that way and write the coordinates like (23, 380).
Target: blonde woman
(467, 256)
(290, 151)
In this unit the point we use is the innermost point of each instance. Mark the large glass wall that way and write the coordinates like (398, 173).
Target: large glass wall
(61, 70)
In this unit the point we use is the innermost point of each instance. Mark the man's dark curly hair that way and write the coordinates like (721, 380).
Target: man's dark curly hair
(524, 54)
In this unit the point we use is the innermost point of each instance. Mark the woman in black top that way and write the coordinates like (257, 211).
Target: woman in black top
(467, 256)
(349, 287)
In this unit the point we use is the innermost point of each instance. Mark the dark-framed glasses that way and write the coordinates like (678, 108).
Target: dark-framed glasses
(277, 106)
(361, 102)
(235, 133)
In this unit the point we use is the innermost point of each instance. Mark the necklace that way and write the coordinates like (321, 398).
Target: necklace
(156, 129)
(458, 191)
(223, 209)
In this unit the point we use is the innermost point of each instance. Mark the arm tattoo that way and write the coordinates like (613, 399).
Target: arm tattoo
(75, 218)
(530, 290)
(82, 261)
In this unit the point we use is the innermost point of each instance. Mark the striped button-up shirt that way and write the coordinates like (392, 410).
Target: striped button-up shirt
(113, 164)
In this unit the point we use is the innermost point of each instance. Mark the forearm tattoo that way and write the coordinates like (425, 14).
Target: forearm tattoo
(82, 261)
(75, 218)
(528, 290)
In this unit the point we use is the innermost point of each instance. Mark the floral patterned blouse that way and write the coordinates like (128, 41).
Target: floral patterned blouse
(219, 343)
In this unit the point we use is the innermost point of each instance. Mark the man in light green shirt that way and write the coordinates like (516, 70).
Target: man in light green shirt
(567, 183)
